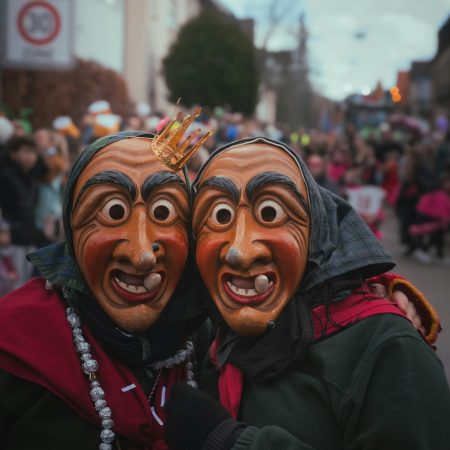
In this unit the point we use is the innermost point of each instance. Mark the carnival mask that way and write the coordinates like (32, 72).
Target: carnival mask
(130, 219)
(251, 223)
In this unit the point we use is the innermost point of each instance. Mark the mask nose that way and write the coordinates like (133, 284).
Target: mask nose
(246, 246)
(138, 249)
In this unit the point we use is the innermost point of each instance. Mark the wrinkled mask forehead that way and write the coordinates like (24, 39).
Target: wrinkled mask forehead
(247, 157)
(132, 157)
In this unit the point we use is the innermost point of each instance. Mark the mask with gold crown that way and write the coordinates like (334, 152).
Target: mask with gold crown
(120, 293)
(127, 220)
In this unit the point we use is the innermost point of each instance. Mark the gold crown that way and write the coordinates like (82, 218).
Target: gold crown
(169, 145)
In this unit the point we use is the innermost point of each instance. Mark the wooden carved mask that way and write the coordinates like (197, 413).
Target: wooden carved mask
(251, 223)
(130, 217)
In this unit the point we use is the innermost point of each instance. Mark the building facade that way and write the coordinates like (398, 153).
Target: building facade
(440, 71)
(132, 37)
(99, 32)
(420, 88)
(162, 21)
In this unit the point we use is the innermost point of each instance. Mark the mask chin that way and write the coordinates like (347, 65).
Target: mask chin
(251, 323)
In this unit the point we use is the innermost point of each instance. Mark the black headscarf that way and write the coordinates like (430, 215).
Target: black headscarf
(182, 316)
(342, 252)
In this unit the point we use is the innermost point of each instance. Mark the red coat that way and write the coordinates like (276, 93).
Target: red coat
(36, 345)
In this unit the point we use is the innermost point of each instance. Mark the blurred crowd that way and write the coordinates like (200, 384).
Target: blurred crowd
(375, 170)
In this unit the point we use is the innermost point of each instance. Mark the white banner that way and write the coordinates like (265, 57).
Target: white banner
(367, 200)
(38, 34)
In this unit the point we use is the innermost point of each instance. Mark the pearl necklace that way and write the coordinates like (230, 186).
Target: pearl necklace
(90, 367)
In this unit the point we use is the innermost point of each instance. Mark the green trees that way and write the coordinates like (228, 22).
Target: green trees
(213, 63)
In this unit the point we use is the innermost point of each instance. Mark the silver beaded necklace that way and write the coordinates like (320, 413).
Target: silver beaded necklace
(90, 367)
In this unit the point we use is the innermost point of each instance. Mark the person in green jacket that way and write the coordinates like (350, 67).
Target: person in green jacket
(306, 356)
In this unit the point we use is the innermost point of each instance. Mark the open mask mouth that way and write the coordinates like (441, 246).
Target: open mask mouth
(249, 290)
(136, 288)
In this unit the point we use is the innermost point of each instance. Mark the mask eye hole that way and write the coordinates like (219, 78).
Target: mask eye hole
(269, 211)
(222, 214)
(163, 211)
(115, 209)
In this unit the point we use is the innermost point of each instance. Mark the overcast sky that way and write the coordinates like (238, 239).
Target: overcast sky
(353, 43)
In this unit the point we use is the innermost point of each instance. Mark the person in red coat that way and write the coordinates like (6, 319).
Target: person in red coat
(89, 350)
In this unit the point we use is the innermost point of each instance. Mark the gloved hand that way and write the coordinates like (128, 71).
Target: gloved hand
(191, 416)
(410, 301)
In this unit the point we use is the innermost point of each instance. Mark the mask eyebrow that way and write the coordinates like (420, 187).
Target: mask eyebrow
(111, 177)
(159, 178)
(266, 178)
(224, 184)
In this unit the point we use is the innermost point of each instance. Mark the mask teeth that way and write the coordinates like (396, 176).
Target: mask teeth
(152, 281)
(261, 284)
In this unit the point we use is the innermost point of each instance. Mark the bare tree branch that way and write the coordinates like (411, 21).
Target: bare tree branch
(278, 11)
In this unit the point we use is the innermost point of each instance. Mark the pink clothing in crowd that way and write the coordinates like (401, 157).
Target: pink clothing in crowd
(436, 206)
(336, 170)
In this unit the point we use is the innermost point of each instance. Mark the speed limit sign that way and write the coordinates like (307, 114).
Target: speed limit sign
(39, 34)
(38, 22)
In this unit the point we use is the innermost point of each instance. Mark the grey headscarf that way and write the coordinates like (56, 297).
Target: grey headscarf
(340, 241)
(342, 252)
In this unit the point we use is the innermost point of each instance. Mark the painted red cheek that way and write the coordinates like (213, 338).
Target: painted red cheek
(288, 250)
(208, 251)
(289, 243)
(290, 256)
(175, 245)
(176, 233)
(98, 251)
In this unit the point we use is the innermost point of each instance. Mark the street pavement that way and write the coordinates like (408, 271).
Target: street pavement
(432, 279)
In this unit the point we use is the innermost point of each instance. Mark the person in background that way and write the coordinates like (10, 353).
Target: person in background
(53, 149)
(133, 122)
(68, 134)
(8, 272)
(96, 108)
(386, 144)
(442, 157)
(19, 128)
(432, 223)
(366, 199)
(6, 132)
(19, 191)
(317, 167)
(416, 180)
(340, 162)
